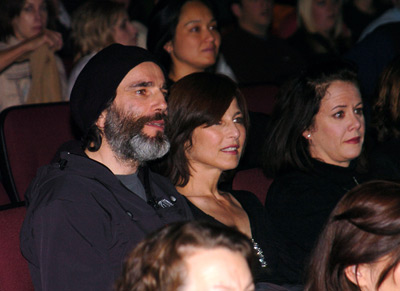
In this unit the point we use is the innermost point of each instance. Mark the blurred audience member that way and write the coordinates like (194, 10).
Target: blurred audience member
(190, 256)
(95, 25)
(321, 35)
(312, 149)
(357, 14)
(386, 122)
(184, 35)
(360, 246)
(29, 70)
(391, 15)
(255, 55)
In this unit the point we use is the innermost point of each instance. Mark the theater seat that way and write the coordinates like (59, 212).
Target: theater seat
(14, 271)
(260, 98)
(252, 180)
(4, 199)
(29, 137)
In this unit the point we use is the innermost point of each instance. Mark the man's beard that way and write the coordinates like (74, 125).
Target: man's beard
(127, 140)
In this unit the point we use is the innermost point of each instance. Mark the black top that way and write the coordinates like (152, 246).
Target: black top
(297, 206)
(255, 212)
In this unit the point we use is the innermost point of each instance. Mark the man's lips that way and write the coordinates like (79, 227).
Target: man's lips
(354, 140)
(156, 123)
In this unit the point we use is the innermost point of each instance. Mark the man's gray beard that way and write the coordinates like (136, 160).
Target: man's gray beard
(126, 139)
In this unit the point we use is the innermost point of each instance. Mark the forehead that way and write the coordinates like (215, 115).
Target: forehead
(145, 72)
(194, 9)
(340, 93)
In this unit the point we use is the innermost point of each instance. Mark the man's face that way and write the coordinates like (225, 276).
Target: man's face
(134, 124)
(256, 14)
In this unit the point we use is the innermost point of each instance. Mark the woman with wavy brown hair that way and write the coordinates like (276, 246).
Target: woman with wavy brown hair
(360, 246)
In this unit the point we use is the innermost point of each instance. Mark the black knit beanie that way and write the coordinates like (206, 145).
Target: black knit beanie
(97, 83)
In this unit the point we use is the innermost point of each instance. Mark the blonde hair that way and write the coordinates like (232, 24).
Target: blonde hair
(305, 19)
(92, 26)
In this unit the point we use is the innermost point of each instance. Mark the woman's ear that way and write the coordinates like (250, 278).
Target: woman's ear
(307, 134)
(168, 47)
(359, 276)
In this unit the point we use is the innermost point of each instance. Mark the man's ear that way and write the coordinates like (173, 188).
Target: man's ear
(236, 10)
(168, 47)
(101, 120)
(358, 276)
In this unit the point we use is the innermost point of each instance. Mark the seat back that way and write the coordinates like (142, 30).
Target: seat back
(260, 98)
(30, 136)
(14, 271)
(4, 199)
(252, 180)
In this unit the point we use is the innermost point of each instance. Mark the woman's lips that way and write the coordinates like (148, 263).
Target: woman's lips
(354, 140)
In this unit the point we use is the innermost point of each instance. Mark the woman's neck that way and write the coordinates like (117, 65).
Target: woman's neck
(176, 73)
(201, 184)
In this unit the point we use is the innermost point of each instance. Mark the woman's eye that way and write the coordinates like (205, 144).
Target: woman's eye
(238, 120)
(195, 29)
(213, 27)
(339, 114)
(28, 8)
(359, 111)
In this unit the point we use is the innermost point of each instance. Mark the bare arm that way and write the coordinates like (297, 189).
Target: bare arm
(10, 55)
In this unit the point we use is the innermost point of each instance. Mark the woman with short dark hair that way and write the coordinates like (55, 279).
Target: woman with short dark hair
(360, 246)
(207, 125)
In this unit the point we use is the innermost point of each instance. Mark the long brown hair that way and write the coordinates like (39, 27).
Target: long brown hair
(364, 227)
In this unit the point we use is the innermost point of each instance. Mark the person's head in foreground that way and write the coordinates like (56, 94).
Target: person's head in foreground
(319, 115)
(360, 246)
(118, 102)
(190, 256)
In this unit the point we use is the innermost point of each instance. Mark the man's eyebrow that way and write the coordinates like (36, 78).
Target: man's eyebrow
(142, 84)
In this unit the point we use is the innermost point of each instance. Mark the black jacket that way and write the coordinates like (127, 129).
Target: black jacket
(82, 222)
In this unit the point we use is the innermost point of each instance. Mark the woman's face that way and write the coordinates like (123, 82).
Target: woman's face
(196, 42)
(337, 135)
(218, 146)
(217, 269)
(124, 32)
(325, 14)
(31, 21)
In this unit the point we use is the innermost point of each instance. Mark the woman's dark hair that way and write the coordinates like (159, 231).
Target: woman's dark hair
(9, 9)
(363, 228)
(157, 263)
(297, 104)
(162, 25)
(195, 100)
(386, 118)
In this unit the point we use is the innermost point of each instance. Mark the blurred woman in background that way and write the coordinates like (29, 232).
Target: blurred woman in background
(184, 35)
(29, 70)
(96, 25)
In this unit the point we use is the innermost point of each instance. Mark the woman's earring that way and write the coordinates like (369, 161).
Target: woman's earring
(309, 135)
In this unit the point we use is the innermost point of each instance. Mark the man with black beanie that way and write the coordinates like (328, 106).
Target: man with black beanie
(87, 211)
